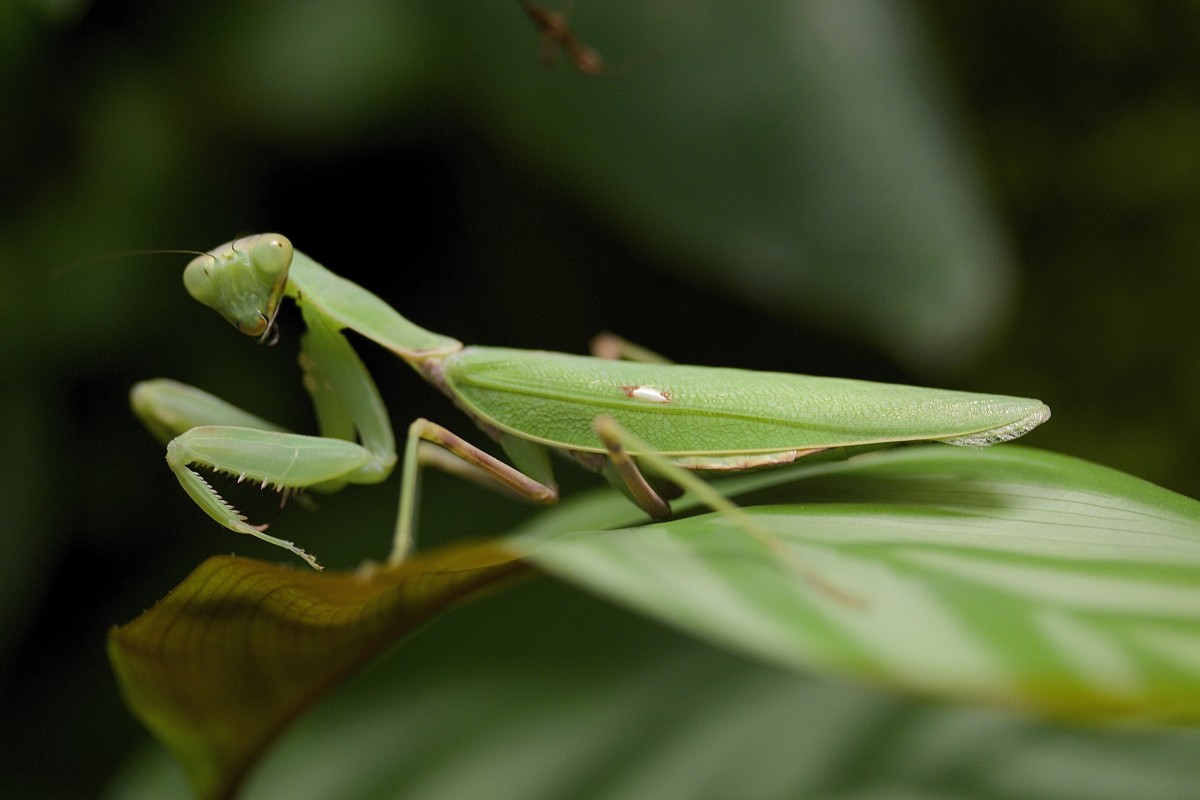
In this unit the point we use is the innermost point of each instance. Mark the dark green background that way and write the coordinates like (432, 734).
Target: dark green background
(991, 196)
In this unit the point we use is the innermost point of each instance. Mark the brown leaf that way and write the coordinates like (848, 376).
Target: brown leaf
(220, 666)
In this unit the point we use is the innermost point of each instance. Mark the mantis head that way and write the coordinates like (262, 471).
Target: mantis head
(243, 281)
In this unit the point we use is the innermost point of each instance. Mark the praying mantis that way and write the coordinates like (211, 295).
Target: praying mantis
(645, 424)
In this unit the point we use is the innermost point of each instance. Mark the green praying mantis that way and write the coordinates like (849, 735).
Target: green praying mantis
(646, 424)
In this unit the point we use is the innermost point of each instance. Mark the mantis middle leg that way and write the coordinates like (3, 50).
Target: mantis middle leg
(429, 444)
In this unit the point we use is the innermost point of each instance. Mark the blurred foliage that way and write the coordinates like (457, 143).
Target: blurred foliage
(994, 196)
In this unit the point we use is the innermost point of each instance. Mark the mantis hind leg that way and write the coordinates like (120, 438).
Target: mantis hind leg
(624, 474)
(618, 441)
(429, 444)
(624, 468)
(615, 348)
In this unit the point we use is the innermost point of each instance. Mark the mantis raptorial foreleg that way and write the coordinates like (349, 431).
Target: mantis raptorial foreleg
(209, 432)
(169, 408)
(347, 403)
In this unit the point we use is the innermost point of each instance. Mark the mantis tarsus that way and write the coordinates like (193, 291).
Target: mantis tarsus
(643, 423)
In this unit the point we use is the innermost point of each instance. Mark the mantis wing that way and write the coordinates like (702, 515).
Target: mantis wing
(681, 410)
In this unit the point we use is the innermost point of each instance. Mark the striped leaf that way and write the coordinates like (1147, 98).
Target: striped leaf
(1010, 576)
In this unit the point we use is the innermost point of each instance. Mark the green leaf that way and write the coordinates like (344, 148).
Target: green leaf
(220, 666)
(542, 692)
(1010, 576)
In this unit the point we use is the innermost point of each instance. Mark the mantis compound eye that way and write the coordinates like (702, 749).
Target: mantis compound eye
(271, 255)
(198, 279)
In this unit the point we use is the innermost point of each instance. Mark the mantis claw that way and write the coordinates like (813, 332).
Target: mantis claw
(225, 513)
(291, 463)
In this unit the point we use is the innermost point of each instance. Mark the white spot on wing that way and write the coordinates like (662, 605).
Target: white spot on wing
(647, 393)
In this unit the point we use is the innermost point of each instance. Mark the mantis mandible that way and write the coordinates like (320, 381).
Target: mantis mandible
(643, 423)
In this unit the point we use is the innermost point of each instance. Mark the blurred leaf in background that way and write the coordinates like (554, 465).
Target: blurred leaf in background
(794, 186)
(798, 155)
(1087, 118)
